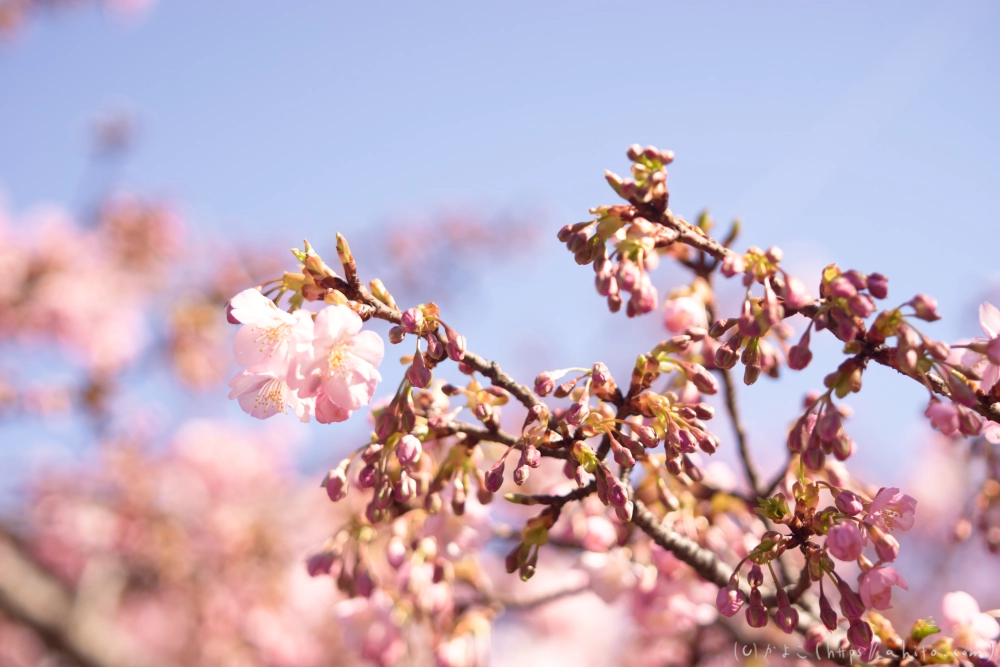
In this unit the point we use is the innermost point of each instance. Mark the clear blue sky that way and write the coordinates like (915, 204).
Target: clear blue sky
(859, 133)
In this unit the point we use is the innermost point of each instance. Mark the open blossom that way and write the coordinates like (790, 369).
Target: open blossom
(890, 510)
(875, 587)
(339, 369)
(984, 353)
(264, 395)
(684, 312)
(970, 628)
(844, 541)
(269, 335)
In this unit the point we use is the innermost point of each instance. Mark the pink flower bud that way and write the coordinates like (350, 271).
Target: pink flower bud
(830, 424)
(800, 355)
(756, 612)
(629, 275)
(406, 488)
(814, 459)
(396, 335)
(844, 541)
(456, 345)
(701, 378)
(773, 311)
(795, 293)
(733, 264)
(728, 354)
(774, 254)
(787, 619)
(925, 307)
(878, 285)
(856, 278)
(850, 604)
(861, 305)
(749, 325)
(494, 477)
(624, 513)
(756, 576)
(860, 635)
(729, 601)
(418, 374)
(841, 288)
(849, 503)
(886, 546)
(412, 320)
(521, 473)
(600, 374)
(320, 562)
(531, 456)
(336, 484)
(826, 613)
(408, 450)
(367, 477)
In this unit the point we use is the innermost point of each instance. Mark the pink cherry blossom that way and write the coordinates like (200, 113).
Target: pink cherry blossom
(943, 416)
(991, 431)
(875, 587)
(970, 628)
(844, 541)
(600, 534)
(684, 312)
(265, 394)
(984, 353)
(890, 510)
(269, 336)
(339, 368)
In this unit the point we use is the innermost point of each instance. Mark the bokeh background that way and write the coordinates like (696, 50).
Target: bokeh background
(861, 134)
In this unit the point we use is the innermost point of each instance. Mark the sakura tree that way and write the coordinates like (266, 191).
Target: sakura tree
(615, 467)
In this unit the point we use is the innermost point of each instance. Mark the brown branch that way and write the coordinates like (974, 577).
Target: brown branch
(749, 467)
(32, 596)
(578, 493)
(502, 437)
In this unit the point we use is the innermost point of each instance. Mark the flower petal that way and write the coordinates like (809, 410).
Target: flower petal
(989, 319)
(369, 346)
(334, 322)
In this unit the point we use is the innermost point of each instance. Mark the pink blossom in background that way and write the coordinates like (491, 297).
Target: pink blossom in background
(875, 587)
(684, 312)
(971, 629)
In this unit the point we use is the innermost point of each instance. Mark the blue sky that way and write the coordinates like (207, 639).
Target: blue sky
(859, 133)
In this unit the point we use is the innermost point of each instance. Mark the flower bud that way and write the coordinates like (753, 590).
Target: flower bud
(412, 320)
(826, 613)
(336, 484)
(856, 278)
(925, 307)
(860, 635)
(418, 374)
(397, 334)
(878, 285)
(320, 562)
(795, 293)
(730, 600)
(841, 288)
(850, 604)
(408, 450)
(728, 354)
(624, 513)
(787, 618)
(406, 488)
(531, 456)
(733, 264)
(367, 477)
(814, 459)
(494, 478)
(756, 576)
(800, 355)
(433, 503)
(849, 503)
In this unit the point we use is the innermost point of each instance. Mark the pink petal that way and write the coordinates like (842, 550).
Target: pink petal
(334, 322)
(303, 375)
(991, 374)
(250, 306)
(991, 431)
(959, 607)
(989, 319)
(368, 345)
(327, 412)
(244, 382)
(985, 626)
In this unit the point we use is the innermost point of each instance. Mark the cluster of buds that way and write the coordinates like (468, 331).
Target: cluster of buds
(424, 321)
(635, 240)
(819, 432)
(681, 427)
(846, 305)
(731, 599)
